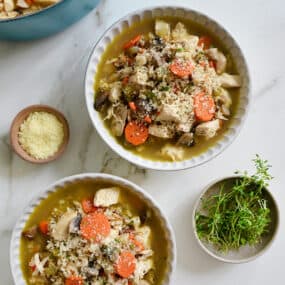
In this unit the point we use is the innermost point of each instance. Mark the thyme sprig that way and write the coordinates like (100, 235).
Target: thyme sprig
(239, 214)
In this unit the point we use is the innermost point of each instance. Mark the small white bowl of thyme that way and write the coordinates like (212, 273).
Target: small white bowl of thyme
(236, 218)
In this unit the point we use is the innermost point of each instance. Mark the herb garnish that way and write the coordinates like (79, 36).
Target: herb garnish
(238, 215)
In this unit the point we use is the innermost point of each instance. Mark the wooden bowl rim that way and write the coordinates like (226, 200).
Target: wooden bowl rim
(19, 119)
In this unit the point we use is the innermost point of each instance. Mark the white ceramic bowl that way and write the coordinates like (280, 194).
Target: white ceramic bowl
(210, 25)
(245, 253)
(143, 195)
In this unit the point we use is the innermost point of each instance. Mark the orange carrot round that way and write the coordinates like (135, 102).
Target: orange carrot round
(132, 106)
(88, 206)
(181, 68)
(95, 226)
(132, 42)
(204, 107)
(74, 280)
(43, 226)
(126, 264)
(147, 119)
(136, 133)
(205, 42)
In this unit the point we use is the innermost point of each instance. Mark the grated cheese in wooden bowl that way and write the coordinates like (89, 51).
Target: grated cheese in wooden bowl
(41, 135)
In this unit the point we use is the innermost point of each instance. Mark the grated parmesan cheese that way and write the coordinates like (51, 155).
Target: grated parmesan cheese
(41, 135)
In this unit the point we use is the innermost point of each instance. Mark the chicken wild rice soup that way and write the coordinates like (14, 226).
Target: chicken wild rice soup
(170, 92)
(93, 234)
(14, 8)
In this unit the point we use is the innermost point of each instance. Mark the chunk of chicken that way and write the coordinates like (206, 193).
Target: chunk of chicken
(115, 92)
(208, 129)
(60, 230)
(173, 152)
(9, 5)
(179, 33)
(140, 76)
(221, 60)
(144, 234)
(229, 81)
(168, 113)
(118, 121)
(141, 60)
(161, 131)
(39, 263)
(107, 196)
(162, 29)
(22, 4)
(142, 268)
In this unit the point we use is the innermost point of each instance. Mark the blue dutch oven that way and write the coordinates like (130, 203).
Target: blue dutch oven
(47, 21)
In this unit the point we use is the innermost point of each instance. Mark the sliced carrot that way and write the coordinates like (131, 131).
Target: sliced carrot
(139, 246)
(126, 264)
(181, 68)
(74, 280)
(95, 226)
(204, 107)
(132, 106)
(136, 133)
(88, 206)
(147, 119)
(205, 42)
(43, 226)
(29, 2)
(132, 42)
(125, 80)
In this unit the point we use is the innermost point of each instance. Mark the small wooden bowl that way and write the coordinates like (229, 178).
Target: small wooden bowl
(19, 119)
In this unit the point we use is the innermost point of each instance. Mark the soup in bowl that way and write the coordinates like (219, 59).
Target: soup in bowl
(170, 89)
(93, 229)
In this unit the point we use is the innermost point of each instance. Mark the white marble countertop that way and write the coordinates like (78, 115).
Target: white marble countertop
(51, 71)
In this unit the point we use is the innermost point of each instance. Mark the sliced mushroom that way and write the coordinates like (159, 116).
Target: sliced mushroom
(100, 100)
(74, 225)
(221, 60)
(208, 129)
(186, 139)
(60, 231)
(30, 233)
(229, 81)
